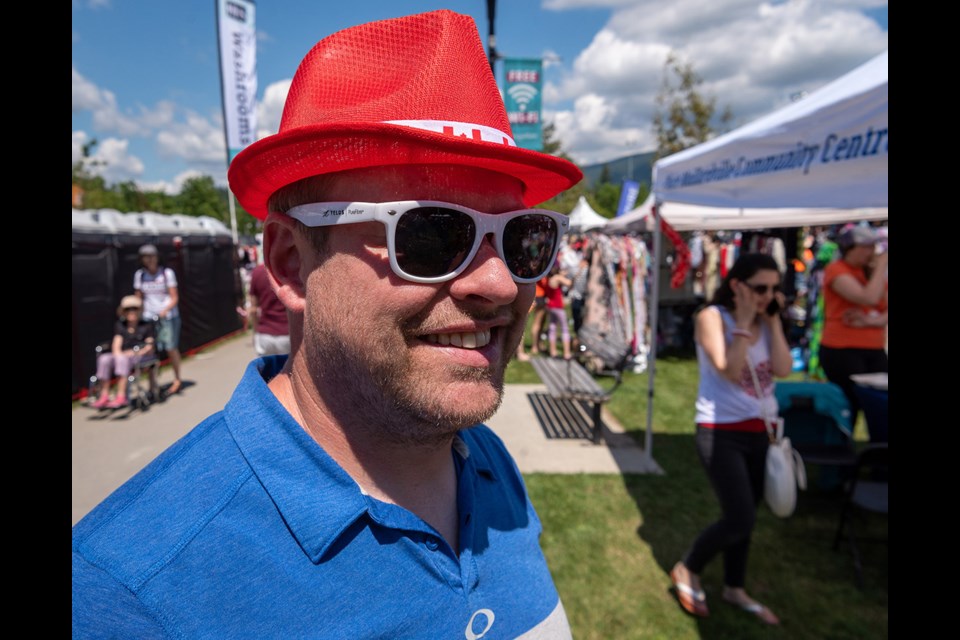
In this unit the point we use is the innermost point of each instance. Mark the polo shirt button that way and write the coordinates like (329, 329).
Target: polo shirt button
(432, 543)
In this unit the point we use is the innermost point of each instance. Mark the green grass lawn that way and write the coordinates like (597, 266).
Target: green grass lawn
(611, 540)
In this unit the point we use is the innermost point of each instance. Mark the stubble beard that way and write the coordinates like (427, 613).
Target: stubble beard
(368, 381)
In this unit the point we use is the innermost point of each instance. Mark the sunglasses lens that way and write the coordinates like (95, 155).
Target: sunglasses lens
(433, 241)
(761, 289)
(528, 244)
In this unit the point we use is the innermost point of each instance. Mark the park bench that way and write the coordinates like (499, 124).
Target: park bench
(571, 380)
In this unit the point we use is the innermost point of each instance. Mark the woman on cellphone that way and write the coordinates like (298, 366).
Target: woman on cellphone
(740, 324)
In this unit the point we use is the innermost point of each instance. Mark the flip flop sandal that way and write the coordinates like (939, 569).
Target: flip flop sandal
(756, 609)
(693, 601)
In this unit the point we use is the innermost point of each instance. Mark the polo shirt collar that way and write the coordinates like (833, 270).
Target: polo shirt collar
(316, 497)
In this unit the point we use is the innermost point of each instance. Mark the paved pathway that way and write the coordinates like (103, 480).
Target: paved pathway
(109, 450)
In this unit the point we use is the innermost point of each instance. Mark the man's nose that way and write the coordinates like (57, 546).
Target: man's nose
(486, 278)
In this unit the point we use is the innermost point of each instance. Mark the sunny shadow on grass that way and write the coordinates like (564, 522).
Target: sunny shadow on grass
(612, 539)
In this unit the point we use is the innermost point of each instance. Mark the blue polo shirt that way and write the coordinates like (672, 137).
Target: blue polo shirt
(246, 528)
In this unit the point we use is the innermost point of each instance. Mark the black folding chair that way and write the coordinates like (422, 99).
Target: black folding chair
(866, 492)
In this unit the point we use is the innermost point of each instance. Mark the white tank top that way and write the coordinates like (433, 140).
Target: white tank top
(721, 401)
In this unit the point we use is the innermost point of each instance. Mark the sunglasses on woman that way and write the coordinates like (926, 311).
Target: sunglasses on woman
(430, 241)
(761, 289)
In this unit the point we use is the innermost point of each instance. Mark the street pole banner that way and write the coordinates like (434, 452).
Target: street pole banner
(238, 72)
(521, 95)
(628, 196)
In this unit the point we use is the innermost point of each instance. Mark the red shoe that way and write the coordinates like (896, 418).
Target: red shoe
(101, 403)
(118, 403)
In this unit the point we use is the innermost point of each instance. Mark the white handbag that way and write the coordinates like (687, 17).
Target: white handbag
(784, 469)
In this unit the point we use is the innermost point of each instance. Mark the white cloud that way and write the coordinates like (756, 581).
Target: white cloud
(178, 134)
(751, 57)
(174, 187)
(86, 95)
(197, 140)
(591, 132)
(106, 117)
(80, 138)
(109, 158)
(560, 5)
(270, 108)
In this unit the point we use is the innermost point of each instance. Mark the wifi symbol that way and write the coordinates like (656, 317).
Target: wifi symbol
(522, 94)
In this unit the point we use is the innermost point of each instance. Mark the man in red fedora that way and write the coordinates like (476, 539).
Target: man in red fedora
(350, 489)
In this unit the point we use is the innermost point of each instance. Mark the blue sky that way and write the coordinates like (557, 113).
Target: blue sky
(146, 78)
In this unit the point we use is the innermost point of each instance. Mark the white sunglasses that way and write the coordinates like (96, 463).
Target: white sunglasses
(430, 241)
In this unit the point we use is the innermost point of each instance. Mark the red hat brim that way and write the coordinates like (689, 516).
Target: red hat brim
(273, 162)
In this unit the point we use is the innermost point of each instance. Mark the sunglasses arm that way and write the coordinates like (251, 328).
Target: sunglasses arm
(334, 213)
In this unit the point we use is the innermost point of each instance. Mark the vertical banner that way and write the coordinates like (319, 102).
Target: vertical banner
(628, 196)
(238, 72)
(521, 95)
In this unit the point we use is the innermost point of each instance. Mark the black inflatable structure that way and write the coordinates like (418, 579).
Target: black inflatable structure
(105, 256)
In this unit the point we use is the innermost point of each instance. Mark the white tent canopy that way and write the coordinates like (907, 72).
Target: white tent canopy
(828, 149)
(584, 218)
(693, 217)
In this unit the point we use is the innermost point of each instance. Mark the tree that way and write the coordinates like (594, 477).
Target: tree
(606, 199)
(552, 145)
(200, 197)
(95, 192)
(642, 192)
(247, 225)
(683, 115)
(604, 174)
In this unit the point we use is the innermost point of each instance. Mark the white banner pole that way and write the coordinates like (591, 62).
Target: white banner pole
(237, 38)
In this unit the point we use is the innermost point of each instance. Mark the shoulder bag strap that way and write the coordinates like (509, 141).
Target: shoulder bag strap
(773, 433)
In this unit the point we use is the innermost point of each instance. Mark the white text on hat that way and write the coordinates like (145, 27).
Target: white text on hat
(460, 129)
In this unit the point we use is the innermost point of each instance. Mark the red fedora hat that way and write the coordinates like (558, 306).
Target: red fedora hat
(411, 90)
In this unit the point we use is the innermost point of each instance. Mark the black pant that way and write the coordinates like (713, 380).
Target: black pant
(576, 311)
(735, 463)
(840, 364)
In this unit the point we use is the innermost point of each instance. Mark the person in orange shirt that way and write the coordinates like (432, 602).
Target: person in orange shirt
(855, 312)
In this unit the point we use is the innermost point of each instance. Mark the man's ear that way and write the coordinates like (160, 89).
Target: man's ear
(283, 255)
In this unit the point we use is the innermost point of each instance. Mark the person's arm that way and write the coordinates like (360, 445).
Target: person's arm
(253, 312)
(780, 359)
(116, 348)
(173, 291)
(558, 280)
(147, 347)
(849, 288)
(137, 291)
(857, 318)
(174, 300)
(730, 359)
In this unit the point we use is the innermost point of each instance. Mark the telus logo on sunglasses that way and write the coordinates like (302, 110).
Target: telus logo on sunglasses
(339, 212)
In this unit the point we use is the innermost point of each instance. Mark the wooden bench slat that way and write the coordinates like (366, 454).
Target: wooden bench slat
(568, 379)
